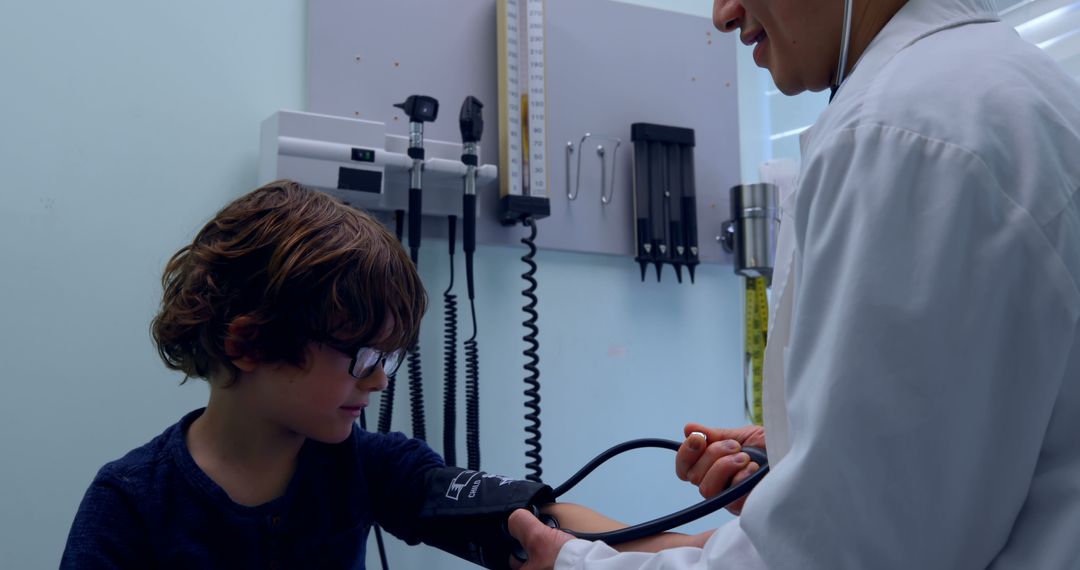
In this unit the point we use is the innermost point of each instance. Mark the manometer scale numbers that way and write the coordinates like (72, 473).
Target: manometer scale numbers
(522, 96)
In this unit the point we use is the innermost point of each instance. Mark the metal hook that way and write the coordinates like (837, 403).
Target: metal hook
(607, 193)
(569, 150)
(606, 199)
(603, 172)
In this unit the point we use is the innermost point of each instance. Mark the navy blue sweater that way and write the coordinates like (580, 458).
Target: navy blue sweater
(154, 508)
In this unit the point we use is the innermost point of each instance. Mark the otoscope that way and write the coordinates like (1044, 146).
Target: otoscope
(420, 109)
(472, 126)
(471, 122)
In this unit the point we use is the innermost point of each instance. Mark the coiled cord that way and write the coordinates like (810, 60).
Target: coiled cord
(450, 340)
(386, 403)
(416, 395)
(472, 395)
(532, 393)
(386, 406)
(416, 383)
(416, 378)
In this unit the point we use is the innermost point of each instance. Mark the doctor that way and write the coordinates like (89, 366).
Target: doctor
(923, 374)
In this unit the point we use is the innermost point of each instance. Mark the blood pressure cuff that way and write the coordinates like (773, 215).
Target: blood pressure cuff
(465, 512)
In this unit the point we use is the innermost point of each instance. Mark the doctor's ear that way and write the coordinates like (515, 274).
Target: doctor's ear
(240, 337)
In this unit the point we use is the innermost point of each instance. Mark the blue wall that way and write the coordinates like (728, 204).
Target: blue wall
(126, 124)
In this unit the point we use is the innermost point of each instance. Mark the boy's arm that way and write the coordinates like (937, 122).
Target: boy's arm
(574, 517)
(396, 468)
(466, 513)
(106, 533)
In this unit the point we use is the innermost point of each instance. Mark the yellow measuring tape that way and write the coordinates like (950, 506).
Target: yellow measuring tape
(757, 328)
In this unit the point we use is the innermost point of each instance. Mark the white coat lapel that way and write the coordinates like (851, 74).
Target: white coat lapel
(776, 432)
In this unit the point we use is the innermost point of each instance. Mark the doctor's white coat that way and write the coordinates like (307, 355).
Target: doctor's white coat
(923, 373)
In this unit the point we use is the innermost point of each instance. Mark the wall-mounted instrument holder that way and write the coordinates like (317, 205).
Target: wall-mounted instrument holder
(360, 163)
(598, 80)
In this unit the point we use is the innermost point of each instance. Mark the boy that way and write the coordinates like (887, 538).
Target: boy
(294, 308)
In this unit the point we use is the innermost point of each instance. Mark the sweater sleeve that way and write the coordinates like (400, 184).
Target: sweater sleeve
(107, 532)
(395, 466)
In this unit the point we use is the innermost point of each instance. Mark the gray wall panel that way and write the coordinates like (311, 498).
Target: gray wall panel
(609, 64)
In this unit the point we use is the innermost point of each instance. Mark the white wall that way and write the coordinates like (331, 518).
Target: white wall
(123, 126)
(126, 124)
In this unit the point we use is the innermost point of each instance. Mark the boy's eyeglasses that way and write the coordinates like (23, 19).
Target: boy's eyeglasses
(366, 359)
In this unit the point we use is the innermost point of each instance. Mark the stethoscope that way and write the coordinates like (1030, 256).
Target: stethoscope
(664, 523)
(845, 37)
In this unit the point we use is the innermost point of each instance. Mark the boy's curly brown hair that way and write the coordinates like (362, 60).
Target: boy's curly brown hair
(299, 266)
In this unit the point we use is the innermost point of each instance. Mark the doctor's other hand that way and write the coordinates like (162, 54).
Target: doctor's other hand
(712, 458)
(541, 542)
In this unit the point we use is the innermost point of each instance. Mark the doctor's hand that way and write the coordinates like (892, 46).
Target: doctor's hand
(715, 462)
(541, 542)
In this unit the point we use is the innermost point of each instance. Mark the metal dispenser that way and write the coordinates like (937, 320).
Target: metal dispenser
(751, 235)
